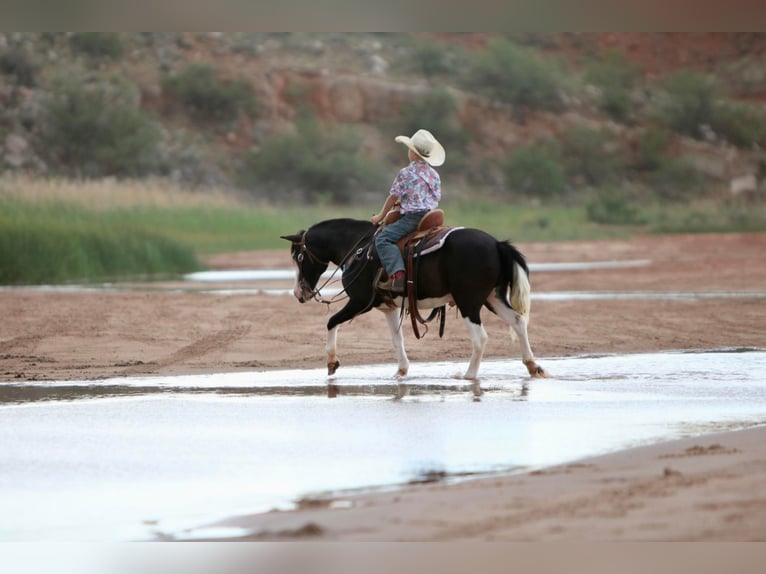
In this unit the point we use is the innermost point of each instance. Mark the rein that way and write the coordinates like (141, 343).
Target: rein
(316, 292)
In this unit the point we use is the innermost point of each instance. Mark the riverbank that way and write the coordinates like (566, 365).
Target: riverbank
(705, 488)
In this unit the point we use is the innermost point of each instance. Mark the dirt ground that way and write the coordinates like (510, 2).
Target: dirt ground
(148, 330)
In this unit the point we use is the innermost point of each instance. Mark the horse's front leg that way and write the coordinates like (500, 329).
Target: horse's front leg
(397, 340)
(351, 310)
(331, 348)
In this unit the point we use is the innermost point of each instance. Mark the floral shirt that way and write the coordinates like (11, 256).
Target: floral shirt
(418, 187)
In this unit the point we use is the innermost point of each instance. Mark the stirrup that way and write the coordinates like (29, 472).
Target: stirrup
(378, 284)
(392, 285)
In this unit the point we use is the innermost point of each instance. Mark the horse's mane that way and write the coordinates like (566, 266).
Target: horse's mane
(345, 224)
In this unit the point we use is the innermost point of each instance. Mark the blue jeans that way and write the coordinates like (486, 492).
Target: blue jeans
(385, 242)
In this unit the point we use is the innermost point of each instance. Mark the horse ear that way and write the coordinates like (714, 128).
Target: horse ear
(291, 238)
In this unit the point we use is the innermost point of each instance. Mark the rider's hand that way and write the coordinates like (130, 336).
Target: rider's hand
(376, 219)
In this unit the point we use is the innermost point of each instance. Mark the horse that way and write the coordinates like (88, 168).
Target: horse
(471, 270)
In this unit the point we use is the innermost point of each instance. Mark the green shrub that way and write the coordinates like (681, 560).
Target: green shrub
(652, 148)
(536, 171)
(97, 129)
(689, 102)
(613, 207)
(437, 112)
(519, 76)
(430, 59)
(588, 158)
(739, 123)
(675, 180)
(693, 100)
(208, 97)
(19, 66)
(100, 45)
(616, 78)
(670, 178)
(317, 163)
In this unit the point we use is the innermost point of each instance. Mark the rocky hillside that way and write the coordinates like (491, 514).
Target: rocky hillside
(541, 115)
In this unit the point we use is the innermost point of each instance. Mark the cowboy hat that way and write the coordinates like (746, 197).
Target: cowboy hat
(424, 144)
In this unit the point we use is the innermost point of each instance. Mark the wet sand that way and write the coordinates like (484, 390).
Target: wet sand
(719, 494)
(708, 488)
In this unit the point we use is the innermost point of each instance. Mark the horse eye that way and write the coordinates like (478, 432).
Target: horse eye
(299, 258)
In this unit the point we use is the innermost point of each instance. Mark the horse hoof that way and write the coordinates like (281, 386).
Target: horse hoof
(401, 373)
(540, 373)
(332, 367)
(535, 370)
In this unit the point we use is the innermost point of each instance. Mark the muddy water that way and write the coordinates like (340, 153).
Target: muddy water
(128, 458)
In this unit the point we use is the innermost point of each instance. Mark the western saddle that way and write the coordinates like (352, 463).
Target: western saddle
(428, 237)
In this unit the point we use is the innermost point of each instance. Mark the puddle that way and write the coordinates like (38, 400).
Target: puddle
(289, 274)
(128, 458)
(278, 282)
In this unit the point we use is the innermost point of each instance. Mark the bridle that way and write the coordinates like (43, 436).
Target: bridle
(303, 252)
(315, 293)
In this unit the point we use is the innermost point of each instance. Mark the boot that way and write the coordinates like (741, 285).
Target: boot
(395, 283)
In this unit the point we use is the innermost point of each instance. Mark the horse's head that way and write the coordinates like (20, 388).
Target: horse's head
(309, 266)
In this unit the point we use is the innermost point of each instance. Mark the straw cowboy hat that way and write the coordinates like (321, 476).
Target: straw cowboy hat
(425, 145)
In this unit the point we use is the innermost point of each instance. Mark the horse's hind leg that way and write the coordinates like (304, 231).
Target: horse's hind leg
(478, 342)
(518, 325)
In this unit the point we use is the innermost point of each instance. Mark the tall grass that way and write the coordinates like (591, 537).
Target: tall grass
(57, 243)
(58, 231)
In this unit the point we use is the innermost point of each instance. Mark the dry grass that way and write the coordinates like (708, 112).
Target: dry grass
(110, 193)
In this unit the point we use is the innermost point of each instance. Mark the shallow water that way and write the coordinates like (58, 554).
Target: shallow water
(289, 274)
(127, 458)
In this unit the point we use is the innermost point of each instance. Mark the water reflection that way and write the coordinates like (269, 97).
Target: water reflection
(20, 393)
(17, 394)
(404, 390)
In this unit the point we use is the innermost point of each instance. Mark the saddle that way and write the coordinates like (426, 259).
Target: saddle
(429, 237)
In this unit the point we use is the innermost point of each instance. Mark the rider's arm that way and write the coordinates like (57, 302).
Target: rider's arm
(387, 206)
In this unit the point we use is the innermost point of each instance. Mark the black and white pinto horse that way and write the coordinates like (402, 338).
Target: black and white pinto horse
(471, 270)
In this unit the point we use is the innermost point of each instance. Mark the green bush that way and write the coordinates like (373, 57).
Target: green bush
(19, 66)
(693, 100)
(430, 59)
(588, 158)
(741, 124)
(652, 147)
(100, 45)
(519, 76)
(671, 178)
(675, 180)
(97, 129)
(317, 163)
(437, 112)
(536, 171)
(207, 97)
(613, 207)
(689, 102)
(615, 77)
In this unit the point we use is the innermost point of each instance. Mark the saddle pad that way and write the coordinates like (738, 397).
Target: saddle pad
(431, 241)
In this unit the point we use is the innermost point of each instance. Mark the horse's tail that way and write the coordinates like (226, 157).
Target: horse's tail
(516, 276)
